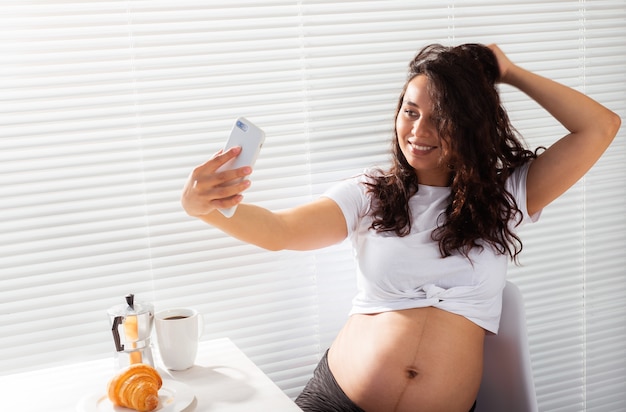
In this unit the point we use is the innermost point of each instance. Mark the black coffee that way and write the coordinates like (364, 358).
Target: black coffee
(176, 317)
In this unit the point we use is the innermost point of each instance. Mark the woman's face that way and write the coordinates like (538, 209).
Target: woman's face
(418, 137)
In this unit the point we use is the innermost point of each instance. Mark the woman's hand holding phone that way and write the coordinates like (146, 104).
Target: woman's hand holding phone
(207, 189)
(218, 183)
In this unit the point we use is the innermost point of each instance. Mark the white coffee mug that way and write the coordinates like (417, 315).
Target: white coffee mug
(178, 331)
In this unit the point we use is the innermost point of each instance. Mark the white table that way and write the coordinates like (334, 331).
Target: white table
(223, 379)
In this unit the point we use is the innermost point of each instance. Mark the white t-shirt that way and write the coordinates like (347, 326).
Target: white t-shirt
(395, 273)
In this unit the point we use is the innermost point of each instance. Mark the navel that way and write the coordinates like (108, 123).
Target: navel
(411, 373)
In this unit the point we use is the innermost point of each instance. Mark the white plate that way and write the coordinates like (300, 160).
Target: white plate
(173, 397)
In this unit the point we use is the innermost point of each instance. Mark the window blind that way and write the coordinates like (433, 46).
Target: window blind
(106, 106)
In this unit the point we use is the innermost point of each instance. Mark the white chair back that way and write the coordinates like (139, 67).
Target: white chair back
(507, 383)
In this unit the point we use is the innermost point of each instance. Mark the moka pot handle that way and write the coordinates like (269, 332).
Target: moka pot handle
(116, 334)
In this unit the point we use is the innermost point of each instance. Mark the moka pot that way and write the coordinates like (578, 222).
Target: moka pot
(131, 326)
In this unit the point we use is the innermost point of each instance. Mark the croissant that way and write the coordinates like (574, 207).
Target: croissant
(136, 387)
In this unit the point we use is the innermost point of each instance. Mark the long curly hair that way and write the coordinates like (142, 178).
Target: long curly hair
(482, 149)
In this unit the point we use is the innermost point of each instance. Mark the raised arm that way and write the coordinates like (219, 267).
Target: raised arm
(591, 127)
(310, 226)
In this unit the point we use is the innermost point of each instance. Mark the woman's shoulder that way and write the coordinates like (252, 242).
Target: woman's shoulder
(518, 175)
(516, 186)
(365, 178)
(353, 194)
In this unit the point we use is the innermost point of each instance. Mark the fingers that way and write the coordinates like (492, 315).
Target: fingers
(223, 193)
(207, 188)
(504, 64)
(221, 158)
(200, 199)
(209, 173)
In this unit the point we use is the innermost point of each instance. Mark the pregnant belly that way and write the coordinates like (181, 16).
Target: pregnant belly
(421, 359)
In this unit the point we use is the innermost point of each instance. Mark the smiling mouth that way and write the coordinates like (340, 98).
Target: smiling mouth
(420, 149)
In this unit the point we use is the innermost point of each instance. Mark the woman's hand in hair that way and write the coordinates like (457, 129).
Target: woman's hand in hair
(504, 64)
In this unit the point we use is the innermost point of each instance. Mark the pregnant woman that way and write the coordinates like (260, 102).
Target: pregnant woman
(432, 234)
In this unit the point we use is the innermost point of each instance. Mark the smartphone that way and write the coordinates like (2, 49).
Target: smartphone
(250, 137)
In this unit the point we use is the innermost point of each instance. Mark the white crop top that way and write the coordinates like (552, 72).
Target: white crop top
(395, 273)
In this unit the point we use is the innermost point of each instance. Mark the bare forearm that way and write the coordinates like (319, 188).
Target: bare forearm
(574, 110)
(250, 224)
(313, 225)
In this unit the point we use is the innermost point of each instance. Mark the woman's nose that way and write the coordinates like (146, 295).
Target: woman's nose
(418, 128)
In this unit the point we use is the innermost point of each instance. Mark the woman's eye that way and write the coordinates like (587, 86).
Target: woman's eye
(410, 113)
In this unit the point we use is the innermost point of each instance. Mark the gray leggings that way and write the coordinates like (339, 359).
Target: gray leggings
(323, 394)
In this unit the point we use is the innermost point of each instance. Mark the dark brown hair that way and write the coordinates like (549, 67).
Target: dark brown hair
(482, 151)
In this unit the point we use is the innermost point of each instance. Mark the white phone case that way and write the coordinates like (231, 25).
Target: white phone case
(250, 137)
